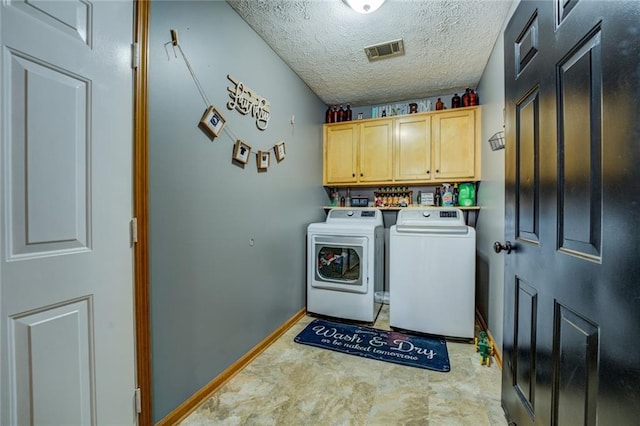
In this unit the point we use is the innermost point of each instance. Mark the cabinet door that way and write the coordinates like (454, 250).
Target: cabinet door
(376, 144)
(454, 145)
(340, 154)
(413, 149)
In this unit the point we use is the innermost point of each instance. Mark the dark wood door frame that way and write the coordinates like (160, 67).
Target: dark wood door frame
(140, 205)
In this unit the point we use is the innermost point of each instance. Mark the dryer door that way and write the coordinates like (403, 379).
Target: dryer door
(340, 263)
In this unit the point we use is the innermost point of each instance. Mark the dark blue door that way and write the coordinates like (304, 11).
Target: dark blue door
(572, 283)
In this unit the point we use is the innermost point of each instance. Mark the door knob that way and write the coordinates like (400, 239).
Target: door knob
(498, 247)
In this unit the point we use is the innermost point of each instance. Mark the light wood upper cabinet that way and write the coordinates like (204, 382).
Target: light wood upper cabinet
(431, 147)
(412, 153)
(358, 152)
(340, 153)
(376, 151)
(455, 145)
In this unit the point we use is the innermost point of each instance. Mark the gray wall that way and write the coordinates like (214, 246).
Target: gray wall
(213, 296)
(490, 226)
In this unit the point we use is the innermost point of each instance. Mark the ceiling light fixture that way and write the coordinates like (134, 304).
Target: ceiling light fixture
(364, 6)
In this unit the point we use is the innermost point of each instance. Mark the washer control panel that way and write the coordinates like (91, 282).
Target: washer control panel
(354, 215)
(448, 213)
(431, 217)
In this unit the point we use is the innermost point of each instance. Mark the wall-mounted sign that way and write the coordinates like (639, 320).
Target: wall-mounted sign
(246, 101)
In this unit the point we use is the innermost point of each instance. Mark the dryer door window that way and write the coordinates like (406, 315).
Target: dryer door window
(339, 263)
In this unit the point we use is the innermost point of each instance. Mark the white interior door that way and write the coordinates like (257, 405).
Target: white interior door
(66, 277)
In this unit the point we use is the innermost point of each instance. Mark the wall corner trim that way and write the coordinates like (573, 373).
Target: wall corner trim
(194, 401)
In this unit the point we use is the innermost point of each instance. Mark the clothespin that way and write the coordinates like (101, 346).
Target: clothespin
(173, 42)
(174, 37)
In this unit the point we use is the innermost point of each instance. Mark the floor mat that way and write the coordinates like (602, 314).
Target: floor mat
(383, 345)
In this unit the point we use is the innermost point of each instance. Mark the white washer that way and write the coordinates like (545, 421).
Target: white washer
(432, 272)
(345, 264)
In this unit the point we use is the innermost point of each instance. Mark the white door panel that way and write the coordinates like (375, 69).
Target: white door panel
(71, 17)
(66, 271)
(58, 336)
(48, 148)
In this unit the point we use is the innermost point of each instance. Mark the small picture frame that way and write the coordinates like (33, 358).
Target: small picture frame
(264, 158)
(280, 151)
(241, 152)
(212, 121)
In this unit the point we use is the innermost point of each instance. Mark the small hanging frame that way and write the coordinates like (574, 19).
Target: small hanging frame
(212, 121)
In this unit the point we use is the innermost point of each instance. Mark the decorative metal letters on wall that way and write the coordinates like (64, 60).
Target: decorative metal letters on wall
(246, 101)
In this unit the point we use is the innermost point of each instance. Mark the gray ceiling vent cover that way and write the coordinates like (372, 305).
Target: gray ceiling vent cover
(385, 50)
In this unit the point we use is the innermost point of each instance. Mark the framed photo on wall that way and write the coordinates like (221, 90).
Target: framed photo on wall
(241, 152)
(280, 151)
(212, 121)
(264, 158)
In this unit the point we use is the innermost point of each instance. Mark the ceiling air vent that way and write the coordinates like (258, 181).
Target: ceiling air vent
(385, 50)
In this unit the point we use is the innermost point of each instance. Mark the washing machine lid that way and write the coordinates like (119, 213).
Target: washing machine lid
(431, 217)
(364, 216)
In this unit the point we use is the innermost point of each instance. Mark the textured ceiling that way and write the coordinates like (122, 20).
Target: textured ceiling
(447, 44)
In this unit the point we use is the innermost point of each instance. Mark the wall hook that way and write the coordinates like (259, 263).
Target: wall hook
(173, 42)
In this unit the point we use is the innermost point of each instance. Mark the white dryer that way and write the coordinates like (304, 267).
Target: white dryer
(345, 264)
(432, 272)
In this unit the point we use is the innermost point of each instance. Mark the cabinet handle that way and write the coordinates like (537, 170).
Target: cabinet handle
(437, 170)
(353, 175)
(361, 174)
(428, 171)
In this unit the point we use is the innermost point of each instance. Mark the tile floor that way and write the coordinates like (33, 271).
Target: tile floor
(294, 384)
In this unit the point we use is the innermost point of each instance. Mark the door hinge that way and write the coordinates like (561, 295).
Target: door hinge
(138, 398)
(133, 230)
(135, 55)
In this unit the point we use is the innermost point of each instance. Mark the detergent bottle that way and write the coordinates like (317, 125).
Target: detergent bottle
(467, 195)
(455, 194)
(447, 195)
(437, 198)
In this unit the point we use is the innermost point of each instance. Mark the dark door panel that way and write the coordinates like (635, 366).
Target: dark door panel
(572, 284)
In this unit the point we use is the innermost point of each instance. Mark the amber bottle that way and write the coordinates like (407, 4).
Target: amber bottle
(439, 105)
(334, 114)
(455, 101)
(348, 113)
(473, 98)
(328, 115)
(465, 98)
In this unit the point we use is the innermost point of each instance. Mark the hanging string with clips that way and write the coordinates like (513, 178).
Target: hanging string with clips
(174, 42)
